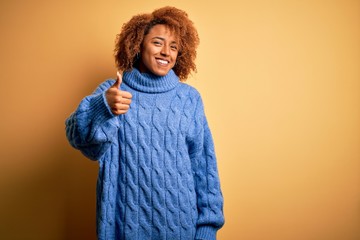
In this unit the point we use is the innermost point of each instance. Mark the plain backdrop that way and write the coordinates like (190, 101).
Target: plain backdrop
(280, 81)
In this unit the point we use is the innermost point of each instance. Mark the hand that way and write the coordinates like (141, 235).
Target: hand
(118, 101)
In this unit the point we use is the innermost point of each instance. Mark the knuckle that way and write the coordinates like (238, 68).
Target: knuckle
(118, 99)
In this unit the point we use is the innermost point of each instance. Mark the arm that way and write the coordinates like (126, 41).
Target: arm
(207, 184)
(92, 127)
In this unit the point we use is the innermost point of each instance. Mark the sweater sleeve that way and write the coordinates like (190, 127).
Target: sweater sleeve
(92, 127)
(207, 184)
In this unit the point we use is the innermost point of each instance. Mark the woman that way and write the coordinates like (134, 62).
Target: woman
(158, 175)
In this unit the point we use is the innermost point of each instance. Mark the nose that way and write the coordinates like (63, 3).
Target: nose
(165, 50)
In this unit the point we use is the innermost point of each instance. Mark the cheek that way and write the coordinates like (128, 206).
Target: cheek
(146, 59)
(175, 55)
(175, 59)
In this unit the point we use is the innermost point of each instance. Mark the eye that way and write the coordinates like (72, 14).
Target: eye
(174, 47)
(157, 43)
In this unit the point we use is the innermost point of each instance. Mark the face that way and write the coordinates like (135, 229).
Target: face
(159, 51)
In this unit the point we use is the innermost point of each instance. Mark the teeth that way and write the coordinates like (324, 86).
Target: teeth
(162, 61)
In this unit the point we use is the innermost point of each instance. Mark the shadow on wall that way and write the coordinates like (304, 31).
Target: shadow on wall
(56, 199)
(56, 203)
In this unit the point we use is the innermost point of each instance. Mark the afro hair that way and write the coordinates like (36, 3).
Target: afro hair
(128, 42)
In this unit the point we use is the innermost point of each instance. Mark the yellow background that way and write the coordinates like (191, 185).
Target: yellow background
(281, 84)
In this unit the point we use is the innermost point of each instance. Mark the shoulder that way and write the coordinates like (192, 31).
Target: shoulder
(104, 85)
(192, 97)
(107, 83)
(190, 91)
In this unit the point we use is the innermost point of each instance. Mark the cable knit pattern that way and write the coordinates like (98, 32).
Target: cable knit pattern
(158, 175)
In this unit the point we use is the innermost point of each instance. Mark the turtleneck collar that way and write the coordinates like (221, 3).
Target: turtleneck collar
(150, 83)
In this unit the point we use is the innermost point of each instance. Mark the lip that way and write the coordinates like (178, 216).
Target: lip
(162, 61)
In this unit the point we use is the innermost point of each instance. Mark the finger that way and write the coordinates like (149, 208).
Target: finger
(120, 106)
(118, 80)
(118, 111)
(119, 76)
(125, 94)
(125, 101)
(120, 99)
(116, 84)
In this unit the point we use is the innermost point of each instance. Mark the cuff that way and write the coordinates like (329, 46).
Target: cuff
(100, 110)
(205, 233)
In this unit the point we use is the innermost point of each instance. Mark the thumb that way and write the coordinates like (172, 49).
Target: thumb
(118, 80)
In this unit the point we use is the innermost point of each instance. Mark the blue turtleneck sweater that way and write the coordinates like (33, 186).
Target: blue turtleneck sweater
(158, 175)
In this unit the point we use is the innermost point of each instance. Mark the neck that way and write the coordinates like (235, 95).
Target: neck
(150, 83)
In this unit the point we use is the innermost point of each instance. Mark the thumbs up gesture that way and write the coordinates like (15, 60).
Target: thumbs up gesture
(118, 101)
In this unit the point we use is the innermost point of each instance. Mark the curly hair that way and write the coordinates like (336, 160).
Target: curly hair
(128, 42)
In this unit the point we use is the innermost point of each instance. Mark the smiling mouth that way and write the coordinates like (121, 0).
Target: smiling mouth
(162, 62)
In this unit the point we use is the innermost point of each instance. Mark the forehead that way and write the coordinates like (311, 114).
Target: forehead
(163, 31)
